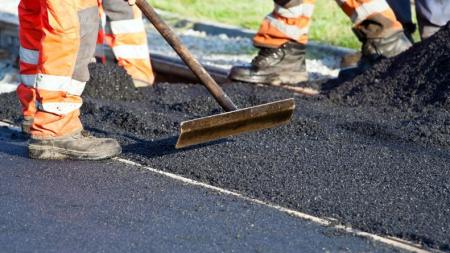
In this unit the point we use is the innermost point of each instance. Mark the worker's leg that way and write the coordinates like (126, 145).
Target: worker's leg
(431, 16)
(282, 40)
(289, 21)
(30, 36)
(376, 26)
(99, 49)
(129, 40)
(375, 11)
(69, 30)
(402, 10)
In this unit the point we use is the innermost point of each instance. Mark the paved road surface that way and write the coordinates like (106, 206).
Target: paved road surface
(108, 206)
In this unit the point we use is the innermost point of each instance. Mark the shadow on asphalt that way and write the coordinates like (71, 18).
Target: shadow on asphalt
(155, 148)
(162, 147)
(13, 148)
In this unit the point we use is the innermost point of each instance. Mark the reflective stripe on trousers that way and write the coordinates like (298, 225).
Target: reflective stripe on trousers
(287, 22)
(290, 20)
(125, 34)
(58, 72)
(377, 12)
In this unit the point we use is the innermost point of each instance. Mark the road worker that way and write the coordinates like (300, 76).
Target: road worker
(431, 14)
(402, 10)
(58, 41)
(283, 35)
(123, 30)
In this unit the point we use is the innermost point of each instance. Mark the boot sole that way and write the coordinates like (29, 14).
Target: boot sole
(287, 81)
(276, 79)
(55, 153)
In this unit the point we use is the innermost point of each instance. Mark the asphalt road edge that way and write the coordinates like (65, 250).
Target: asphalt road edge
(390, 241)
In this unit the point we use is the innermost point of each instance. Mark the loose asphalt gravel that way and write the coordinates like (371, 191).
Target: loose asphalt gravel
(379, 165)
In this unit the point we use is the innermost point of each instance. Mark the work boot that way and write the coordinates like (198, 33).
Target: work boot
(376, 49)
(79, 146)
(276, 66)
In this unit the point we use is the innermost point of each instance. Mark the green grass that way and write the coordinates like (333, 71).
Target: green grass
(330, 25)
(243, 13)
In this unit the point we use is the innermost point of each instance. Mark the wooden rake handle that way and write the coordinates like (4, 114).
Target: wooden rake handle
(213, 88)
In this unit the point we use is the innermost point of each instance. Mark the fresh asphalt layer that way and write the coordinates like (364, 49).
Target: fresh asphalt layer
(109, 206)
(351, 164)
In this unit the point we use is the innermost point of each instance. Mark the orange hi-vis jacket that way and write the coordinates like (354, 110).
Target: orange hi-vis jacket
(57, 39)
(123, 30)
(291, 20)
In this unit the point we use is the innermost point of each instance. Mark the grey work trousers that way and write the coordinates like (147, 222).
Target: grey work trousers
(431, 14)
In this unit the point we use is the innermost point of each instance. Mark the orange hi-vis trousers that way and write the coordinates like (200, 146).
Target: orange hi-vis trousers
(57, 43)
(123, 30)
(291, 20)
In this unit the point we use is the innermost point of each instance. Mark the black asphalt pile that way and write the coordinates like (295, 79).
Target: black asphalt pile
(415, 80)
(10, 107)
(381, 169)
(415, 83)
(123, 90)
